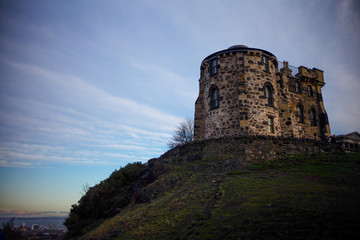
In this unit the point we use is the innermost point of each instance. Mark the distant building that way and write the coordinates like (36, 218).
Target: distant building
(35, 227)
(246, 91)
(349, 142)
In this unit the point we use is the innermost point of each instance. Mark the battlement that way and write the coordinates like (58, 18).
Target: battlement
(311, 74)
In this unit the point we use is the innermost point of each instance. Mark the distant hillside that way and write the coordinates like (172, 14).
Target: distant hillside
(190, 193)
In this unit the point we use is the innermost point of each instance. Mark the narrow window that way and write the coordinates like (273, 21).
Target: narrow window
(310, 91)
(313, 116)
(265, 60)
(268, 95)
(214, 97)
(297, 87)
(271, 125)
(213, 66)
(319, 97)
(300, 113)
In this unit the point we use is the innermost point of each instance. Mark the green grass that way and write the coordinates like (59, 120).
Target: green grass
(300, 197)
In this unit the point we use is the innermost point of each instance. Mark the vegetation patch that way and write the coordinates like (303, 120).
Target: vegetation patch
(308, 196)
(103, 201)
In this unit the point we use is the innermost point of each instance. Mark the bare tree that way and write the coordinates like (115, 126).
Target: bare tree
(89, 193)
(84, 189)
(183, 134)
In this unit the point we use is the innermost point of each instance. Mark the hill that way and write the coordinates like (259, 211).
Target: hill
(197, 191)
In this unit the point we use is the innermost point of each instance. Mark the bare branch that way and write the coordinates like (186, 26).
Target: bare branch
(84, 189)
(183, 134)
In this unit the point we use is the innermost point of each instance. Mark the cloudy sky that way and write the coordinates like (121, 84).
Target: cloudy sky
(89, 86)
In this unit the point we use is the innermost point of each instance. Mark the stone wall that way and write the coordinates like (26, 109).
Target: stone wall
(253, 99)
(224, 120)
(290, 99)
(248, 148)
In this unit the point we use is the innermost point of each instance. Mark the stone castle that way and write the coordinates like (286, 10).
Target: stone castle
(246, 91)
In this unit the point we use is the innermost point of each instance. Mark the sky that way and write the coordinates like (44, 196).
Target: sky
(88, 86)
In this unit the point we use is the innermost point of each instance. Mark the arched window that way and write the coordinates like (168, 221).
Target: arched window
(313, 116)
(214, 97)
(300, 113)
(297, 87)
(310, 91)
(269, 94)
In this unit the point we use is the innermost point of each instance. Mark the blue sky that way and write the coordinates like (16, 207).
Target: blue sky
(89, 86)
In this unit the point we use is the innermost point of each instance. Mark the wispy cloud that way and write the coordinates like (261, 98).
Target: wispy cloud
(57, 131)
(87, 93)
(174, 82)
(348, 19)
(342, 100)
(18, 213)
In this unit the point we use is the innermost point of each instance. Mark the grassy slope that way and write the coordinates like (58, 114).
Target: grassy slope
(303, 197)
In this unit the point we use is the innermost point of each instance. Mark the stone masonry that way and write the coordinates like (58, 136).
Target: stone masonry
(243, 92)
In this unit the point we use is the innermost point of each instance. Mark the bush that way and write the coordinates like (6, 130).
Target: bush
(103, 200)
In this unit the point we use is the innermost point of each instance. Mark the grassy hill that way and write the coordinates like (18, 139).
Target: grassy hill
(303, 196)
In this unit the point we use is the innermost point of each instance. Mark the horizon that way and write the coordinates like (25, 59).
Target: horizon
(87, 88)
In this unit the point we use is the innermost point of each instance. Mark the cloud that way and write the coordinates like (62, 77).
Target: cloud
(90, 130)
(348, 18)
(342, 99)
(173, 81)
(88, 94)
(346, 42)
(19, 213)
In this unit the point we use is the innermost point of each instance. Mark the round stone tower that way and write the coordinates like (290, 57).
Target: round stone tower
(242, 92)
(238, 94)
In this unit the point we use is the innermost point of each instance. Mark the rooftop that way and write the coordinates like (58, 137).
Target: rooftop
(237, 48)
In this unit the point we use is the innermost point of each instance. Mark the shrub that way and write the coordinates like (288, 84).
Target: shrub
(103, 200)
